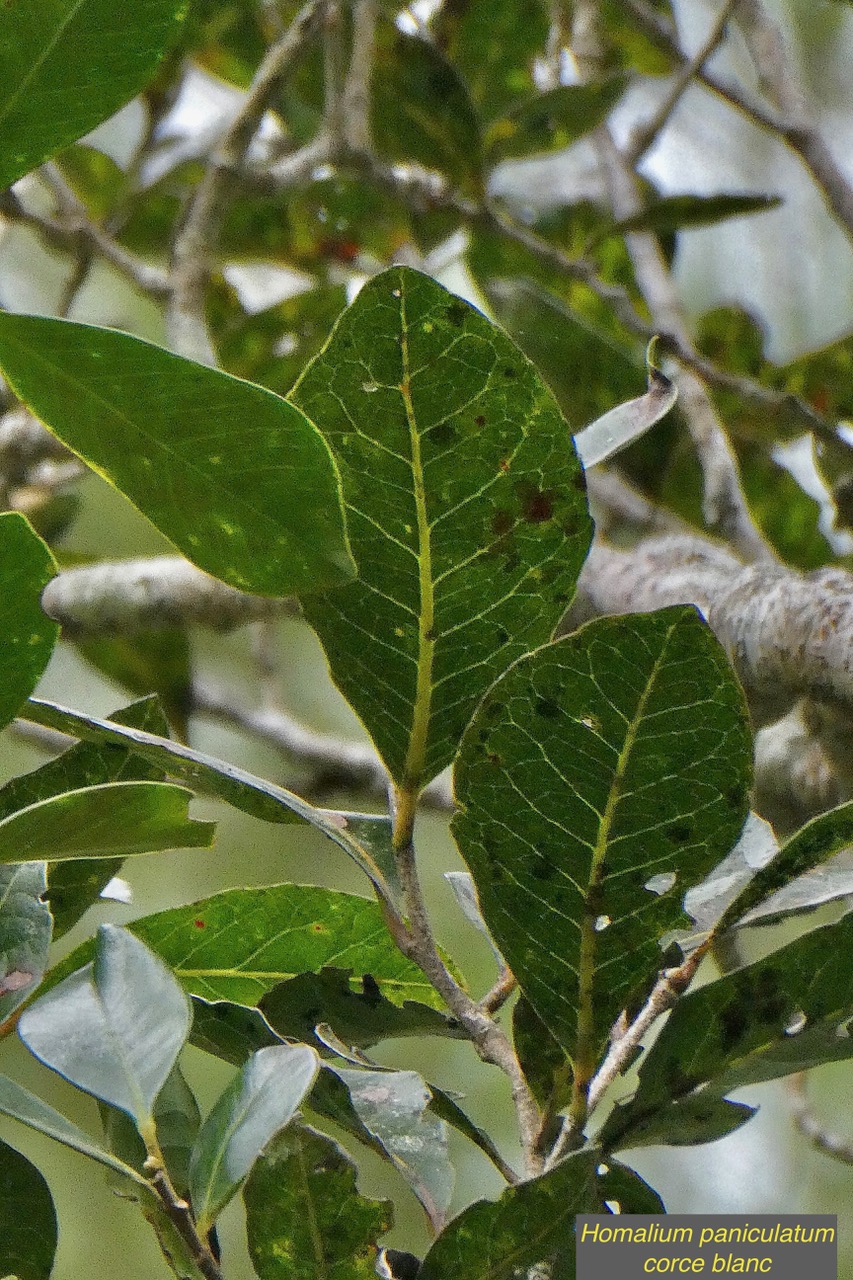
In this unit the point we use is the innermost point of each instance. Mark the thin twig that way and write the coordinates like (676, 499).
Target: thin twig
(831, 1144)
(497, 996)
(801, 135)
(195, 241)
(336, 763)
(647, 133)
(725, 505)
(354, 120)
(668, 989)
(489, 1039)
(180, 1215)
(72, 228)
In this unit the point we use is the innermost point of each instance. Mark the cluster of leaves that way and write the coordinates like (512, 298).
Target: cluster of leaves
(418, 490)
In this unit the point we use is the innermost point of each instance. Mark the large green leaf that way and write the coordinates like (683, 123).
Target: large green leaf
(304, 1215)
(65, 65)
(787, 1013)
(25, 933)
(465, 507)
(232, 474)
(531, 1226)
(113, 1028)
(112, 820)
(28, 1228)
(356, 1009)
(364, 837)
(238, 945)
(18, 1103)
(595, 766)
(27, 635)
(261, 1100)
(549, 121)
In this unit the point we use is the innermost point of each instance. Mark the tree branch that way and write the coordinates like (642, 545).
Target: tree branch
(790, 124)
(126, 596)
(725, 506)
(646, 134)
(489, 1039)
(71, 231)
(195, 242)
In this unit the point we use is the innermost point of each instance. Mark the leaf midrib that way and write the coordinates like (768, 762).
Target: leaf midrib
(416, 754)
(585, 1052)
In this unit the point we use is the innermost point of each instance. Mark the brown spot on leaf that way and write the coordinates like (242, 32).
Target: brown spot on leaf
(199, 924)
(537, 505)
(480, 420)
(502, 522)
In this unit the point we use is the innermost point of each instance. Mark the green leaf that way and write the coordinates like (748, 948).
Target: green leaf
(530, 1226)
(787, 1013)
(420, 108)
(811, 846)
(629, 43)
(232, 1032)
(112, 820)
(240, 944)
(25, 933)
(28, 1228)
(274, 347)
(261, 1100)
(27, 635)
(74, 885)
(552, 120)
(358, 1011)
(304, 1215)
(114, 1028)
(68, 64)
(689, 1122)
(559, 339)
(465, 507)
(387, 1110)
(543, 1059)
(494, 43)
(21, 1105)
(233, 475)
(677, 213)
(613, 756)
(366, 838)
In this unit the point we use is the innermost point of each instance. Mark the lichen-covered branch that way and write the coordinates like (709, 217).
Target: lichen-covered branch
(126, 596)
(788, 636)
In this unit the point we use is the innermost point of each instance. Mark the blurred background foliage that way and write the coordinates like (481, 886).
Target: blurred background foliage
(459, 88)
